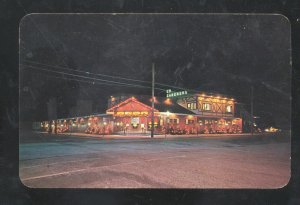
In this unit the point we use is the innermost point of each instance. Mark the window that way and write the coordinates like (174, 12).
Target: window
(174, 121)
(206, 106)
(229, 108)
(189, 105)
(189, 122)
(192, 106)
(150, 125)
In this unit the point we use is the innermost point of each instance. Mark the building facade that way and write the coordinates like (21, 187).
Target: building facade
(184, 114)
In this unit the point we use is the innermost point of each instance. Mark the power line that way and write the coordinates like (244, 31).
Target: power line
(157, 88)
(89, 82)
(86, 72)
(109, 81)
(95, 79)
(104, 75)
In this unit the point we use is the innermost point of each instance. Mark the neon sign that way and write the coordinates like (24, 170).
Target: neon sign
(171, 93)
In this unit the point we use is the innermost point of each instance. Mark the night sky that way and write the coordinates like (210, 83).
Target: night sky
(224, 54)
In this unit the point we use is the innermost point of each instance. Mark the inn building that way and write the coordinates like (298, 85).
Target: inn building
(177, 113)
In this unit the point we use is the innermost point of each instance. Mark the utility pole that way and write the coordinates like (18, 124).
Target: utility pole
(252, 110)
(152, 110)
(55, 126)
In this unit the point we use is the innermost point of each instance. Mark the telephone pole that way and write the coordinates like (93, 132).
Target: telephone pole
(252, 110)
(152, 110)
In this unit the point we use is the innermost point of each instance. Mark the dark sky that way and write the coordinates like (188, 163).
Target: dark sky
(214, 53)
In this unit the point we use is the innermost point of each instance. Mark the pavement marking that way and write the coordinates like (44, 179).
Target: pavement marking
(64, 155)
(100, 167)
(194, 149)
(72, 161)
(65, 162)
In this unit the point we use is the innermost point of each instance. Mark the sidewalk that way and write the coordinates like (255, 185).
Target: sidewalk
(137, 136)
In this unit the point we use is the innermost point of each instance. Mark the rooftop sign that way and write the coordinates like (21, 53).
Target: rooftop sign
(171, 94)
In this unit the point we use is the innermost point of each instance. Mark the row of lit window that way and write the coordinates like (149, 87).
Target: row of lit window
(206, 106)
(192, 106)
(176, 121)
(201, 122)
(219, 122)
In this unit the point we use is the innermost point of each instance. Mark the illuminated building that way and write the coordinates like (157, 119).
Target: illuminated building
(179, 113)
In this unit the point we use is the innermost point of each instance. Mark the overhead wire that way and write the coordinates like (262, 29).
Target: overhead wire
(86, 72)
(95, 79)
(110, 76)
(118, 77)
(103, 82)
(90, 82)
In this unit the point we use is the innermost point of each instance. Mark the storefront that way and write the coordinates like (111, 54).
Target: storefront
(133, 116)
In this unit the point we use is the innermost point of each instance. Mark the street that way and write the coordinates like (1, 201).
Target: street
(220, 161)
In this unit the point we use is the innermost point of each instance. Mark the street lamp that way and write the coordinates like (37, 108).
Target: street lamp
(168, 113)
(152, 104)
(167, 127)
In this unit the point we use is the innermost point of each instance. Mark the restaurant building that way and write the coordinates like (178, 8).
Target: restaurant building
(178, 113)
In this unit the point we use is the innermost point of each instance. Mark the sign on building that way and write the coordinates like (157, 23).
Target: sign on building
(171, 94)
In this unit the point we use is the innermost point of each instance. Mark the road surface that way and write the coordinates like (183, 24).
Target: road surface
(222, 161)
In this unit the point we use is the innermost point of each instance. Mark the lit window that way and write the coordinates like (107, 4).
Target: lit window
(206, 106)
(174, 121)
(192, 106)
(228, 108)
(189, 122)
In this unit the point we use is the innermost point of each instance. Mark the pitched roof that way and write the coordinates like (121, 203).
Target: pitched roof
(128, 100)
(161, 106)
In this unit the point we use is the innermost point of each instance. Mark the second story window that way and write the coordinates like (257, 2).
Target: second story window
(192, 106)
(229, 108)
(206, 106)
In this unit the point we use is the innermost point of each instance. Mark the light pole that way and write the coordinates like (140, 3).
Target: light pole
(152, 109)
(252, 110)
(167, 124)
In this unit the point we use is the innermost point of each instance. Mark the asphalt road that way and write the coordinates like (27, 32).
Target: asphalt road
(260, 161)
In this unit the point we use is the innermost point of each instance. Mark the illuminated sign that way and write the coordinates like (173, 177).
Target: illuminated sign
(171, 93)
(135, 113)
